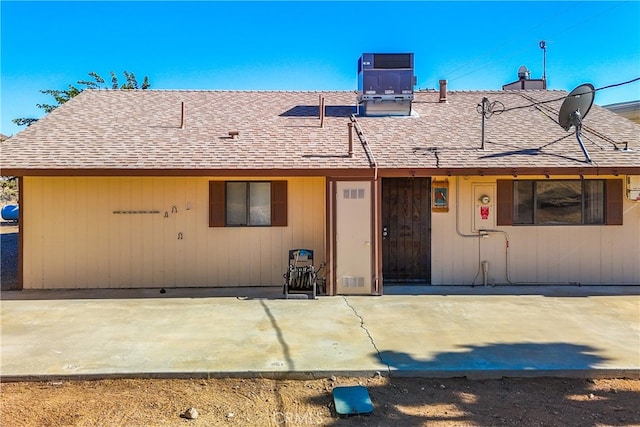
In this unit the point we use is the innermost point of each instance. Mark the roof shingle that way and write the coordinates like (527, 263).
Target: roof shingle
(141, 131)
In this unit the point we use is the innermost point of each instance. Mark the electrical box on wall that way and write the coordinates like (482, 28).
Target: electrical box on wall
(484, 207)
(633, 187)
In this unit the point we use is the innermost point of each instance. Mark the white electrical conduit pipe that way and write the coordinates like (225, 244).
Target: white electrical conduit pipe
(506, 250)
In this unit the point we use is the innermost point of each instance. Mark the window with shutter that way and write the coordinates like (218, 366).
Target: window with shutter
(247, 203)
(559, 202)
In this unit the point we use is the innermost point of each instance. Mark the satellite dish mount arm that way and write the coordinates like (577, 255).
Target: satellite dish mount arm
(576, 121)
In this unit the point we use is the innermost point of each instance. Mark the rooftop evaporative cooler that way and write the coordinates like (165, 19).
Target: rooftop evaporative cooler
(385, 84)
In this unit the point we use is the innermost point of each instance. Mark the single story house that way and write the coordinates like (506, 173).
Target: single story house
(179, 188)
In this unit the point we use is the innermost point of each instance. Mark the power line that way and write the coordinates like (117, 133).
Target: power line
(566, 96)
(501, 48)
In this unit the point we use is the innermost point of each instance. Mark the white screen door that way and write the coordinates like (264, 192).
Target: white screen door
(353, 237)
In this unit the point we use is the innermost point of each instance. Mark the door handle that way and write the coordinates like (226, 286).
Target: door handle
(385, 232)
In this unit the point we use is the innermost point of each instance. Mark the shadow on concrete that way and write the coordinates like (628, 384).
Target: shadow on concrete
(508, 358)
(286, 353)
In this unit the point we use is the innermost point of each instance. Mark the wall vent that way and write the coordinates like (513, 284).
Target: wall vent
(353, 282)
(353, 193)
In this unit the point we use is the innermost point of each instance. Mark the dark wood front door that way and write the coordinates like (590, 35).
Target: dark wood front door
(406, 230)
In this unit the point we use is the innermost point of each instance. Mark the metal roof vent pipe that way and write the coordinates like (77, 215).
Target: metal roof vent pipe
(322, 110)
(443, 91)
(350, 125)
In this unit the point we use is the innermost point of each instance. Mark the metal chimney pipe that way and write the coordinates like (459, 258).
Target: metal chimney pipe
(350, 125)
(182, 117)
(443, 91)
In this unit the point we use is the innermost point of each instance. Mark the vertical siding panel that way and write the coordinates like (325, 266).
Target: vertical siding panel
(27, 205)
(169, 233)
(102, 231)
(623, 256)
(157, 237)
(134, 238)
(279, 253)
(53, 234)
(548, 267)
(177, 202)
(81, 245)
(33, 204)
(544, 257)
(191, 232)
(115, 226)
(231, 275)
(106, 231)
(90, 239)
(126, 232)
(204, 234)
(607, 257)
(307, 215)
(144, 201)
(69, 210)
(590, 267)
(297, 211)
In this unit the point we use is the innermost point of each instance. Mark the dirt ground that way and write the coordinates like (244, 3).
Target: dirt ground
(266, 402)
(261, 402)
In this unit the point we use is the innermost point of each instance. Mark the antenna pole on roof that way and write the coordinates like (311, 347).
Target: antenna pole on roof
(484, 114)
(543, 46)
(488, 109)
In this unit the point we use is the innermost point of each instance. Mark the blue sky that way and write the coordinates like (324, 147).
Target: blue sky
(291, 45)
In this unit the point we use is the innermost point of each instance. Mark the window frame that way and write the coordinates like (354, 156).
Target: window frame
(218, 204)
(612, 203)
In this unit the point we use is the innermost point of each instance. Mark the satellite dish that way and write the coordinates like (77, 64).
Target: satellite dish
(574, 109)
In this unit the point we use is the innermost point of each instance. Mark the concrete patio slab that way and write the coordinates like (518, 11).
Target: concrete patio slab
(473, 332)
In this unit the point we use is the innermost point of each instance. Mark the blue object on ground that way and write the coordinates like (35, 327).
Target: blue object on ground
(352, 400)
(10, 212)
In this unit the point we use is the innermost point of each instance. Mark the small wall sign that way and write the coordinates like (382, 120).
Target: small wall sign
(440, 196)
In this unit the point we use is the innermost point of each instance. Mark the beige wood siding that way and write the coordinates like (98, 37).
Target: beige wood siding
(73, 238)
(589, 255)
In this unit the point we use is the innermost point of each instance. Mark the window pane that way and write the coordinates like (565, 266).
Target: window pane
(236, 203)
(523, 202)
(558, 202)
(594, 202)
(260, 203)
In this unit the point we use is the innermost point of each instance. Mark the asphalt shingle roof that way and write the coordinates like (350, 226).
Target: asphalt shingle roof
(141, 131)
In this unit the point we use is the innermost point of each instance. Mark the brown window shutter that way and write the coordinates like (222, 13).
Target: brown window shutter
(279, 203)
(217, 198)
(505, 202)
(613, 210)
